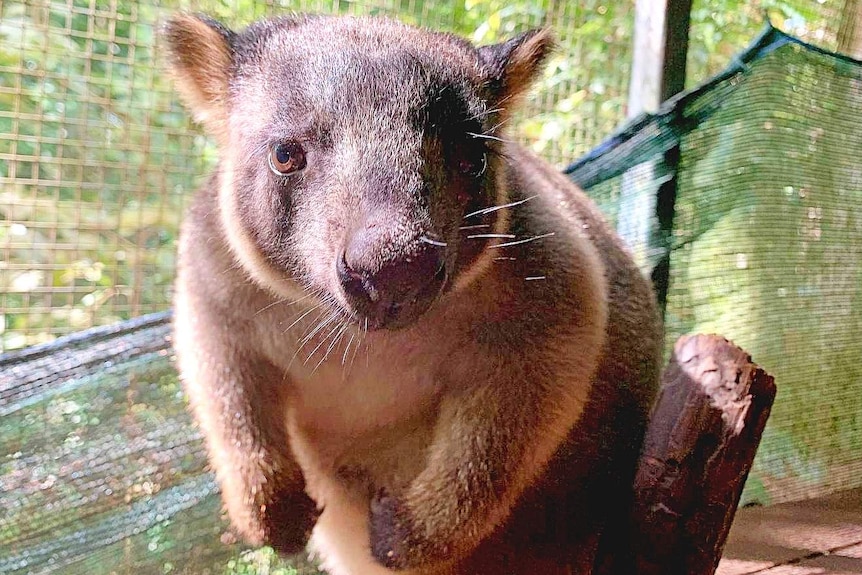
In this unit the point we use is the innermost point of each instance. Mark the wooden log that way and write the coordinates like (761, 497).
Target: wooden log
(700, 443)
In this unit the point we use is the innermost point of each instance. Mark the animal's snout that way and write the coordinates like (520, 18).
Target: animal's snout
(390, 285)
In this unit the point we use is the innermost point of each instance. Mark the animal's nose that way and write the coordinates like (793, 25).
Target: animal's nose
(390, 287)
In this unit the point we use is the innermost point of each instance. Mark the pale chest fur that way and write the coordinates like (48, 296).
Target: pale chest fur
(379, 385)
(357, 421)
(357, 392)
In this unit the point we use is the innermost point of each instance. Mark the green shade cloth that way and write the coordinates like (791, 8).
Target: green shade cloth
(765, 243)
(102, 471)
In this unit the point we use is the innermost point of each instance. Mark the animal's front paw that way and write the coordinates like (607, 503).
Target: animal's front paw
(390, 534)
(288, 521)
(399, 540)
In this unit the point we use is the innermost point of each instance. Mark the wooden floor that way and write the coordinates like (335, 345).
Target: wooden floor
(817, 537)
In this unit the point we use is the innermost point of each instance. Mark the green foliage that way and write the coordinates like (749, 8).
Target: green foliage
(260, 562)
(98, 159)
(97, 165)
(720, 29)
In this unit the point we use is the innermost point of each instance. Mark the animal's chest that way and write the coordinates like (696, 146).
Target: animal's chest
(363, 423)
(380, 388)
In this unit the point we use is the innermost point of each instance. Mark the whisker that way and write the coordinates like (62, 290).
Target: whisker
(355, 354)
(359, 340)
(504, 100)
(266, 307)
(534, 278)
(428, 240)
(284, 300)
(491, 129)
(309, 336)
(477, 236)
(519, 242)
(322, 341)
(499, 108)
(505, 259)
(476, 227)
(303, 298)
(346, 349)
(303, 316)
(343, 327)
(488, 137)
(366, 346)
(484, 113)
(484, 211)
(332, 317)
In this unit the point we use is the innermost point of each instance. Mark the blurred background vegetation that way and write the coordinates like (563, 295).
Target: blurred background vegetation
(102, 470)
(98, 159)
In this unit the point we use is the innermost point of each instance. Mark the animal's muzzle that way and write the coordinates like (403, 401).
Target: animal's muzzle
(391, 288)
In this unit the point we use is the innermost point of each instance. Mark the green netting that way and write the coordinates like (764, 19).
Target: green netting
(101, 470)
(765, 247)
(101, 467)
(98, 158)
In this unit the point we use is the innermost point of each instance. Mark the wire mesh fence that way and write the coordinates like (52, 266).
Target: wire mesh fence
(103, 472)
(95, 163)
(720, 29)
(766, 242)
(97, 158)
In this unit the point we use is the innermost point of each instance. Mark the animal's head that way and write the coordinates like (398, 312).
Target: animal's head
(357, 155)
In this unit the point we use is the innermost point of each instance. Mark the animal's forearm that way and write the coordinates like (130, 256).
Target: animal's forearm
(487, 449)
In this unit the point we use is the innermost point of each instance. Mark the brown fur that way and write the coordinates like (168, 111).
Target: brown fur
(202, 61)
(493, 432)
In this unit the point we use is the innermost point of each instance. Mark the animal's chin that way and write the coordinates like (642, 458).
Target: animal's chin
(398, 315)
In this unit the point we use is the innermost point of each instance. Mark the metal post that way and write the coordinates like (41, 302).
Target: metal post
(850, 30)
(658, 72)
(660, 52)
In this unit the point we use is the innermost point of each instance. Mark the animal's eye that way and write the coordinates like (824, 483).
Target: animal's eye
(286, 158)
(473, 165)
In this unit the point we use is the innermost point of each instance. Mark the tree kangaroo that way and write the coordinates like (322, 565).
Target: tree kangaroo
(402, 335)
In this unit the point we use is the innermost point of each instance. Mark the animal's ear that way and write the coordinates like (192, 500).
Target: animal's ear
(511, 67)
(201, 57)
